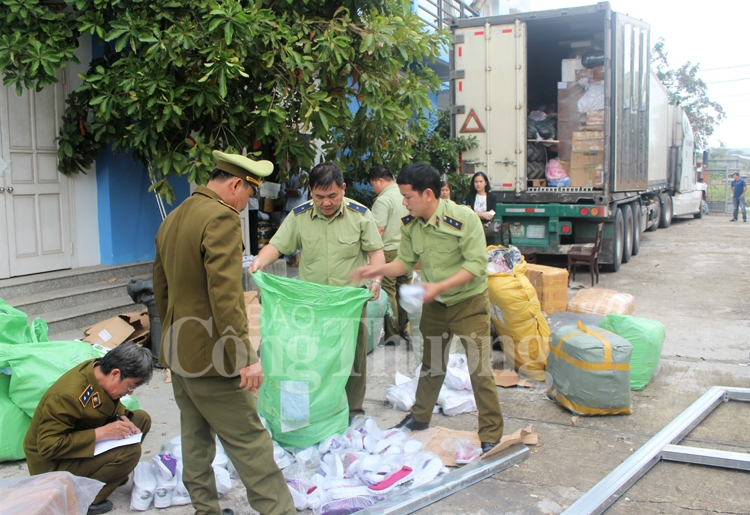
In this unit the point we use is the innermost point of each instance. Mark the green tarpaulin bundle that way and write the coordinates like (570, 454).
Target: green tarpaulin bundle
(14, 328)
(647, 337)
(309, 333)
(13, 425)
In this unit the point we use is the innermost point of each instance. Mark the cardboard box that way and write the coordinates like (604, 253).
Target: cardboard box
(593, 128)
(596, 73)
(128, 327)
(595, 117)
(568, 95)
(570, 69)
(252, 307)
(551, 285)
(565, 132)
(590, 177)
(584, 141)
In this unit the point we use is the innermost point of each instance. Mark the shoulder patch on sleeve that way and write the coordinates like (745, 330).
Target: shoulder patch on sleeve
(406, 220)
(303, 207)
(86, 395)
(95, 402)
(356, 207)
(456, 224)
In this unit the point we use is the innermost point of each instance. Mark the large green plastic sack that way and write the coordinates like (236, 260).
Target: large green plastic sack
(647, 337)
(36, 366)
(588, 370)
(14, 424)
(308, 333)
(14, 327)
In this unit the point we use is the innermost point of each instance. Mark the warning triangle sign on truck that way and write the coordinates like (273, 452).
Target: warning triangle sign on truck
(472, 123)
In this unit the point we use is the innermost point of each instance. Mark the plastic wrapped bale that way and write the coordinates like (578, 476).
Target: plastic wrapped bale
(14, 424)
(599, 301)
(309, 334)
(588, 371)
(517, 316)
(58, 493)
(561, 318)
(36, 366)
(647, 337)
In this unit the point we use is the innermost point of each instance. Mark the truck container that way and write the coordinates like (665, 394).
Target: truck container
(575, 86)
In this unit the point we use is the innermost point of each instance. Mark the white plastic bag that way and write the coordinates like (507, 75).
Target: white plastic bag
(164, 491)
(593, 99)
(144, 487)
(60, 493)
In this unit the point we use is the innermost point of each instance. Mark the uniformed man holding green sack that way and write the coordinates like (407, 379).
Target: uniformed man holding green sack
(82, 408)
(450, 242)
(198, 291)
(335, 235)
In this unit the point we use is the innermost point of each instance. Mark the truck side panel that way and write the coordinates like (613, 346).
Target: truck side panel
(659, 124)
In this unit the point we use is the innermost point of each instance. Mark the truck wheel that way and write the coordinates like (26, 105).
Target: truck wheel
(636, 208)
(617, 240)
(657, 215)
(666, 212)
(699, 214)
(627, 240)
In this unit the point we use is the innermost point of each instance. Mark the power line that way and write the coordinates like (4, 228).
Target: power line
(730, 80)
(726, 68)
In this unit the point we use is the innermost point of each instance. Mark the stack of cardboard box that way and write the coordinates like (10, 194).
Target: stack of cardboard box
(587, 156)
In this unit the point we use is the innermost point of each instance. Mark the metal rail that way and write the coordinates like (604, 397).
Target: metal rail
(438, 13)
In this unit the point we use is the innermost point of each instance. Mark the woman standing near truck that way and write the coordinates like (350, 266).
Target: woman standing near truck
(480, 198)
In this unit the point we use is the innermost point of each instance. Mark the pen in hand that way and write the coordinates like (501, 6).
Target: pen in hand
(122, 419)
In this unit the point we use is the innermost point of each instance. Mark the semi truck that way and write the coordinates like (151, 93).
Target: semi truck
(571, 89)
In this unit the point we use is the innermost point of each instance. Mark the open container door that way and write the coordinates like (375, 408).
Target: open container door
(489, 102)
(631, 41)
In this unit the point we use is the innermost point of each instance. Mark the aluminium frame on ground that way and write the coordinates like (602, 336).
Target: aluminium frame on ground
(663, 446)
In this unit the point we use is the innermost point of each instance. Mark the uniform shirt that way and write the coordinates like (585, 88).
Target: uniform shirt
(64, 422)
(198, 288)
(450, 240)
(387, 210)
(330, 249)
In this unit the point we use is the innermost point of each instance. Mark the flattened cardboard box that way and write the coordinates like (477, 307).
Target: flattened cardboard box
(128, 327)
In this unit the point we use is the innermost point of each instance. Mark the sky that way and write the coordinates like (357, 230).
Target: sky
(715, 34)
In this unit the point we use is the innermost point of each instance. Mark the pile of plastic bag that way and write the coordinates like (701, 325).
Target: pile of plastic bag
(456, 395)
(556, 174)
(345, 473)
(503, 259)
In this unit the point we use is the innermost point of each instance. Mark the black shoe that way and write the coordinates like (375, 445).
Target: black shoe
(733, 220)
(410, 423)
(407, 339)
(487, 447)
(124, 482)
(227, 511)
(103, 507)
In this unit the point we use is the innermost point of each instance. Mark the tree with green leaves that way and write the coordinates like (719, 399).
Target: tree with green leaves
(283, 79)
(687, 89)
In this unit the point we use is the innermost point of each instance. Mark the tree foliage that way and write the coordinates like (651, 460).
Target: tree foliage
(178, 79)
(688, 90)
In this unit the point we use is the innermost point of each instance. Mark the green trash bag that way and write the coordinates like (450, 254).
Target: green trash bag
(647, 337)
(14, 424)
(14, 327)
(36, 366)
(308, 333)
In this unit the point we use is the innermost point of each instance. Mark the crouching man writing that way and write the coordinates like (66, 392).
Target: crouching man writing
(82, 408)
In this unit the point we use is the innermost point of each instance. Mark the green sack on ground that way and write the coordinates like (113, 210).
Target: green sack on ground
(647, 337)
(13, 324)
(14, 424)
(36, 366)
(308, 333)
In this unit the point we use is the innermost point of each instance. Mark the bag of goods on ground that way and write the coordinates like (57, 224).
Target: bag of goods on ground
(14, 424)
(309, 334)
(58, 493)
(15, 329)
(517, 315)
(561, 318)
(551, 285)
(647, 337)
(588, 371)
(602, 302)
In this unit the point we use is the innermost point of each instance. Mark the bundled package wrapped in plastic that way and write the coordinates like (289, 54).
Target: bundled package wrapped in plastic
(588, 371)
(599, 301)
(309, 334)
(647, 337)
(58, 493)
(517, 316)
(561, 318)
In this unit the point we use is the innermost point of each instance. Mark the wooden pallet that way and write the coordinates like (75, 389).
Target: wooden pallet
(536, 183)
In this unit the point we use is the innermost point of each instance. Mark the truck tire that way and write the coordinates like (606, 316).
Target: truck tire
(629, 227)
(636, 208)
(617, 242)
(699, 214)
(657, 215)
(666, 211)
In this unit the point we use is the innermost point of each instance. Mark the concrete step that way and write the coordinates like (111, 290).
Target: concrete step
(49, 302)
(51, 281)
(70, 319)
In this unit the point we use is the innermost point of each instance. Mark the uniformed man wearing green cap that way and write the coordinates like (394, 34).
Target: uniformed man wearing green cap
(198, 290)
(450, 242)
(335, 235)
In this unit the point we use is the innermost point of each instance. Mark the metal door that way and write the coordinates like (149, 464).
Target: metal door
(36, 221)
(489, 100)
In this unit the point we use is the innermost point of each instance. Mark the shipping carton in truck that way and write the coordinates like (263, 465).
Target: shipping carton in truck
(571, 89)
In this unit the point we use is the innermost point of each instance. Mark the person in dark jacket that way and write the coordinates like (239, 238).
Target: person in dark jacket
(481, 199)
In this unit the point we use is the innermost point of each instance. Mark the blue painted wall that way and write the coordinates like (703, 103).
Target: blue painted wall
(128, 214)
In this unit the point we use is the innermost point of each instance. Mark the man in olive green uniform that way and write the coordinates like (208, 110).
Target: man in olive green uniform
(387, 210)
(198, 291)
(450, 241)
(335, 235)
(82, 408)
